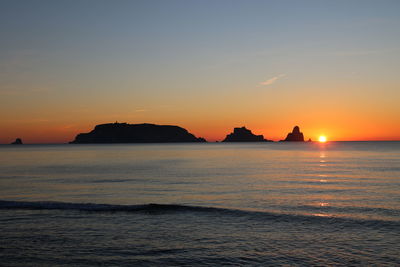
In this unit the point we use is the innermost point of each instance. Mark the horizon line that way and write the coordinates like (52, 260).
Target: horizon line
(209, 142)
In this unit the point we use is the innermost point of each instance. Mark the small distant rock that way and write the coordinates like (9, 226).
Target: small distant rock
(244, 135)
(17, 141)
(295, 135)
(309, 140)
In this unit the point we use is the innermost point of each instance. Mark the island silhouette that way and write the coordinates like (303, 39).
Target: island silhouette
(17, 141)
(295, 135)
(136, 133)
(244, 135)
(109, 133)
(153, 133)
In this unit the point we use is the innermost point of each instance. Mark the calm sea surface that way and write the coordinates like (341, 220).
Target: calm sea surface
(271, 204)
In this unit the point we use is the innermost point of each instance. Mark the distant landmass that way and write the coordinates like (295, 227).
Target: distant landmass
(136, 133)
(295, 135)
(244, 135)
(17, 141)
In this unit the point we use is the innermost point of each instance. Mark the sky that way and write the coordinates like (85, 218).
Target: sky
(330, 67)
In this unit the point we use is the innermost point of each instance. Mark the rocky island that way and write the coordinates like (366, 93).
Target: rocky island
(244, 135)
(135, 133)
(17, 141)
(295, 135)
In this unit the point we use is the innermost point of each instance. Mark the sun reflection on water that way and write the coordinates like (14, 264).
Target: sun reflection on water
(323, 178)
(321, 215)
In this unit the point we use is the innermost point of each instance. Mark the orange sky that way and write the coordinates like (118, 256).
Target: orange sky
(336, 125)
(339, 112)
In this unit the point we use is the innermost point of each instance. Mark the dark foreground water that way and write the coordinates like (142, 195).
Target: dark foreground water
(201, 204)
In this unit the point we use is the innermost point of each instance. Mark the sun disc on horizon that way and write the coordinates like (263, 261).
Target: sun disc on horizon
(322, 139)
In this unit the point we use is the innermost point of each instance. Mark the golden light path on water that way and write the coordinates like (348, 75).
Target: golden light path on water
(322, 161)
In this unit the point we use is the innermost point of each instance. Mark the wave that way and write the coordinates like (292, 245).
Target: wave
(52, 205)
(176, 208)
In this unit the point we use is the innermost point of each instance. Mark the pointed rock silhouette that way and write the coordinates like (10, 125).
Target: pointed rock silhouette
(295, 135)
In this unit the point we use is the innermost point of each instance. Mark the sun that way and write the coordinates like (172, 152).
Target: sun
(322, 139)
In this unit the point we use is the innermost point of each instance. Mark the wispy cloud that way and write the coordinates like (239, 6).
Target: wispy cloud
(271, 80)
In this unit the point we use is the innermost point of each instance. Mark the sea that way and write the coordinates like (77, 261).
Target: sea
(201, 204)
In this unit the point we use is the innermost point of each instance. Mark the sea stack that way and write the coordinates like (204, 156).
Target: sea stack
(244, 135)
(295, 135)
(136, 133)
(17, 141)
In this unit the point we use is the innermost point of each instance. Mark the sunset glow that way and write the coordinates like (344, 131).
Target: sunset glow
(322, 139)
